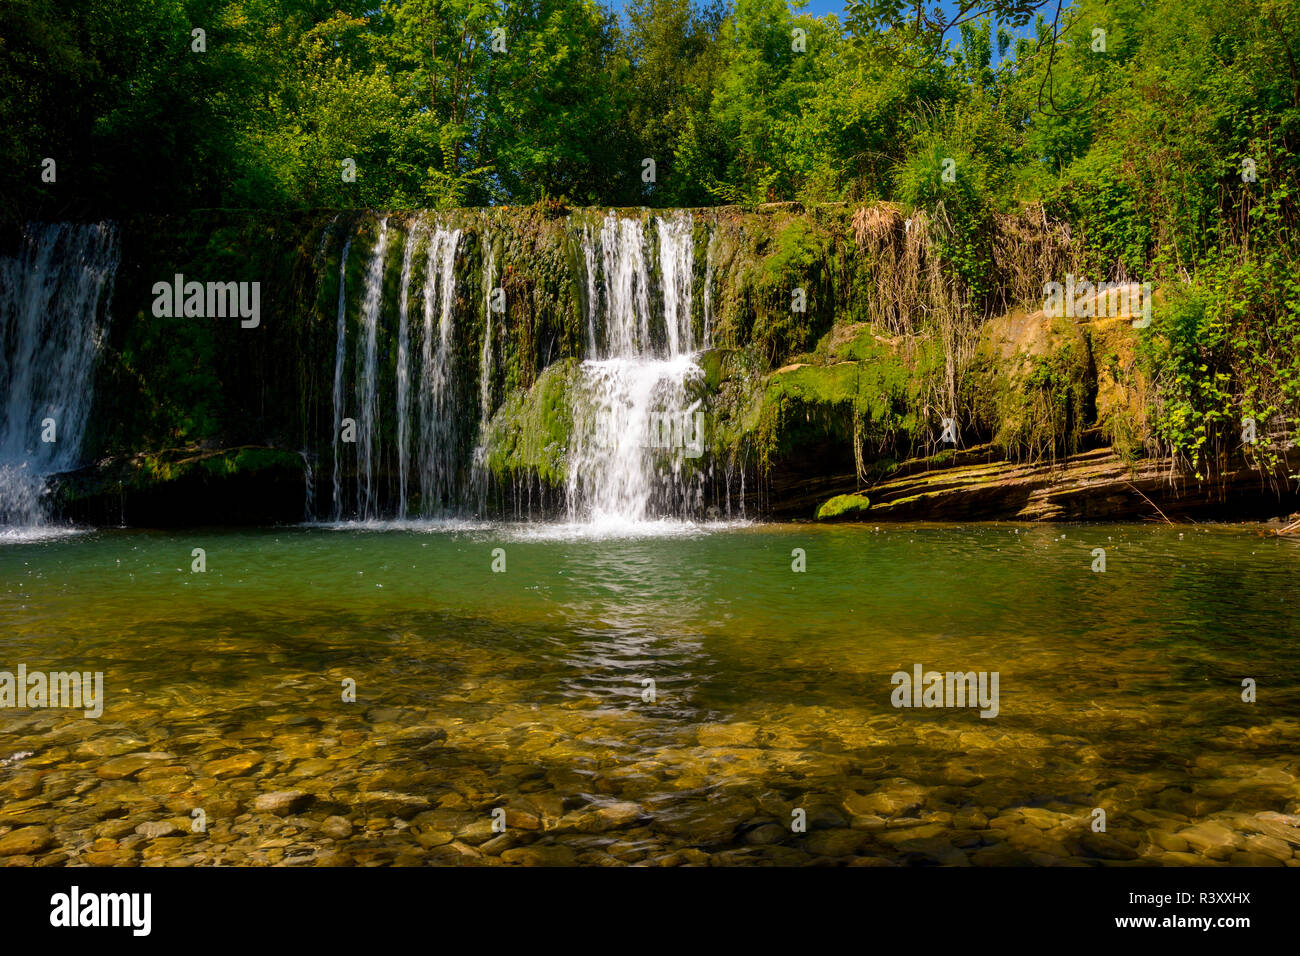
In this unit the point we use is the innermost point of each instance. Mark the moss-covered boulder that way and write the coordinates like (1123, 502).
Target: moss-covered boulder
(529, 435)
(844, 508)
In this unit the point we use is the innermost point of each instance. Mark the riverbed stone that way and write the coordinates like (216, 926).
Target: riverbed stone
(726, 735)
(282, 802)
(1212, 839)
(153, 829)
(26, 841)
(238, 765)
(539, 856)
(127, 766)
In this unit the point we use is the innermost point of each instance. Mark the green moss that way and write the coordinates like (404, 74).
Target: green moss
(1037, 404)
(871, 406)
(530, 432)
(843, 507)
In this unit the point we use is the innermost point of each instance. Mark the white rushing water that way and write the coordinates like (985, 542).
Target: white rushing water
(368, 380)
(636, 454)
(403, 410)
(638, 435)
(439, 422)
(339, 355)
(425, 417)
(478, 466)
(53, 313)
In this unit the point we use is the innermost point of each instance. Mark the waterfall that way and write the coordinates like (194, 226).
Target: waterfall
(627, 287)
(637, 442)
(676, 252)
(309, 488)
(485, 358)
(52, 297)
(709, 258)
(479, 471)
(593, 289)
(637, 430)
(367, 381)
(403, 368)
(439, 427)
(425, 407)
(339, 352)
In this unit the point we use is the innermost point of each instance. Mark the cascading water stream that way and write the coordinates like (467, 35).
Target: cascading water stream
(403, 368)
(53, 311)
(479, 471)
(636, 425)
(367, 379)
(637, 438)
(339, 355)
(439, 431)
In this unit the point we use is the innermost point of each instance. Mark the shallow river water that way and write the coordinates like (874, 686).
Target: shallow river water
(678, 697)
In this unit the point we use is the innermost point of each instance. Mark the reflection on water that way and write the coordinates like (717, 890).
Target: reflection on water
(671, 698)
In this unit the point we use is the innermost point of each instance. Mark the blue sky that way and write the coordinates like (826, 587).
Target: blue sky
(819, 7)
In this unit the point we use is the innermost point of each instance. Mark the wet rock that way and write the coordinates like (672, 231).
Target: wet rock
(694, 857)
(154, 829)
(107, 746)
(26, 841)
(900, 836)
(549, 807)
(539, 856)
(162, 772)
(338, 828)
(895, 798)
(237, 766)
(622, 814)
(392, 804)
(120, 856)
(834, 842)
(711, 821)
(1284, 827)
(1043, 819)
(162, 849)
(498, 844)
(1212, 839)
(826, 817)
(112, 829)
(726, 735)
(767, 834)
(868, 822)
(969, 820)
(479, 831)
(124, 768)
(282, 802)
(429, 838)
(1269, 846)
(1168, 841)
(22, 786)
(1107, 847)
(519, 820)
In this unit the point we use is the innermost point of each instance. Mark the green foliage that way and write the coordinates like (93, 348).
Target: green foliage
(1224, 349)
(1169, 151)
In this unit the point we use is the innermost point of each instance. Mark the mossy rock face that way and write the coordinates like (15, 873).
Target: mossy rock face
(1032, 385)
(844, 508)
(875, 397)
(529, 435)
